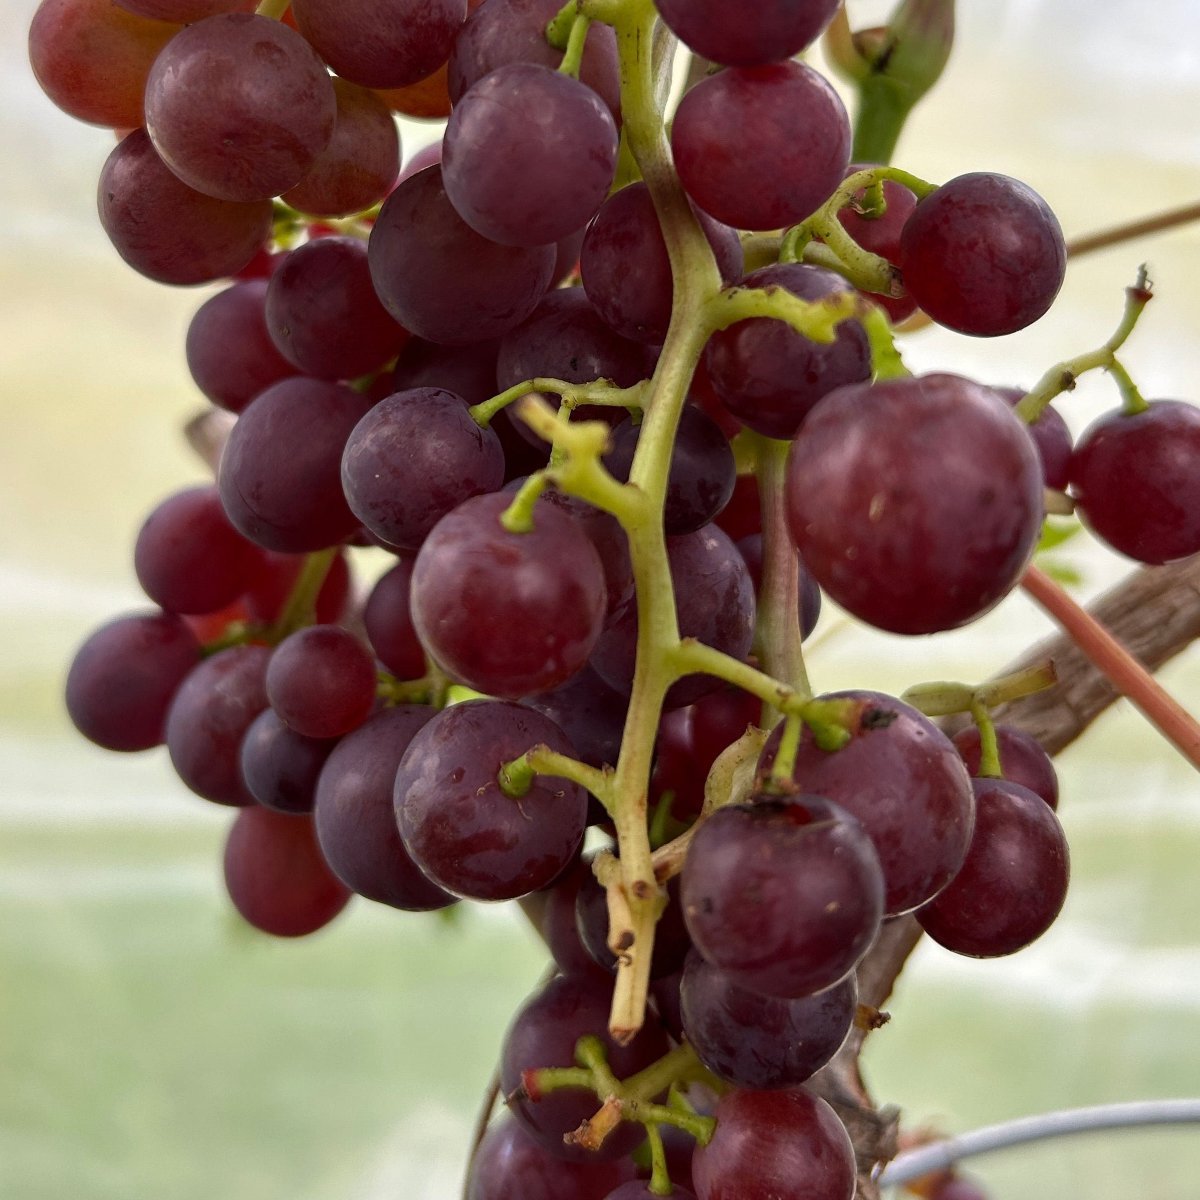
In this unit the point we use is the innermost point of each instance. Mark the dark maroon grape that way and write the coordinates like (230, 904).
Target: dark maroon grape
(915, 503)
(751, 549)
(359, 165)
(414, 457)
(323, 314)
(524, 183)
(168, 231)
(671, 941)
(1013, 882)
(512, 1165)
(756, 1041)
(185, 11)
(387, 620)
(983, 255)
(702, 472)
(714, 603)
(768, 375)
(680, 765)
(761, 147)
(543, 588)
(321, 681)
(239, 106)
(559, 928)
(742, 516)
(1022, 759)
(719, 719)
(229, 352)
(1136, 480)
(381, 43)
(902, 778)
(123, 678)
(189, 558)
(356, 817)
(1051, 439)
(467, 371)
(747, 37)
(280, 475)
(209, 717)
(461, 829)
(625, 268)
(787, 1145)
(512, 31)
(280, 766)
(543, 1034)
(276, 876)
(443, 281)
(880, 234)
(785, 894)
(589, 712)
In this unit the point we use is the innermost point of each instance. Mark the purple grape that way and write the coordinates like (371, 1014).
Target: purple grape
(323, 314)
(761, 147)
(412, 459)
(589, 712)
(983, 255)
(381, 43)
(281, 766)
(1013, 882)
(755, 1041)
(266, 601)
(239, 106)
(1051, 438)
(276, 876)
(1136, 480)
(280, 476)
(461, 829)
(637, 1190)
(714, 603)
(356, 818)
(543, 588)
(784, 894)
(902, 778)
(543, 1034)
(751, 549)
(787, 1145)
(735, 37)
(1022, 759)
(915, 503)
(229, 351)
(768, 375)
(440, 279)
(467, 371)
(184, 11)
(521, 182)
(702, 471)
(559, 928)
(189, 558)
(359, 165)
(387, 620)
(168, 231)
(625, 268)
(512, 1165)
(209, 717)
(321, 681)
(123, 678)
(512, 31)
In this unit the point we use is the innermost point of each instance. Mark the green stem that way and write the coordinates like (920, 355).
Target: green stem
(301, 607)
(1061, 377)
(600, 392)
(660, 1176)
(692, 657)
(785, 757)
(886, 362)
(518, 516)
(516, 777)
(573, 57)
(1132, 399)
(817, 320)
(274, 9)
(882, 112)
(989, 745)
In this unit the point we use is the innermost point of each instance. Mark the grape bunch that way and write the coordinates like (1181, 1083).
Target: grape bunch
(619, 410)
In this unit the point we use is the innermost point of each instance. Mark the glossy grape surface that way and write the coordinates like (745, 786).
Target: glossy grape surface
(1022, 760)
(747, 36)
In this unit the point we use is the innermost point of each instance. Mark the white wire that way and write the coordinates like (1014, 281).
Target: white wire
(1135, 1114)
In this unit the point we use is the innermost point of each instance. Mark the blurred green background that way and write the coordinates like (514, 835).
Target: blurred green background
(150, 1047)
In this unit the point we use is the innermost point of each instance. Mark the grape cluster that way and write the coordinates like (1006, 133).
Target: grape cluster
(626, 606)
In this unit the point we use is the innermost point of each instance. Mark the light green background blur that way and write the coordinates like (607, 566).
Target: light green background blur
(151, 1049)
